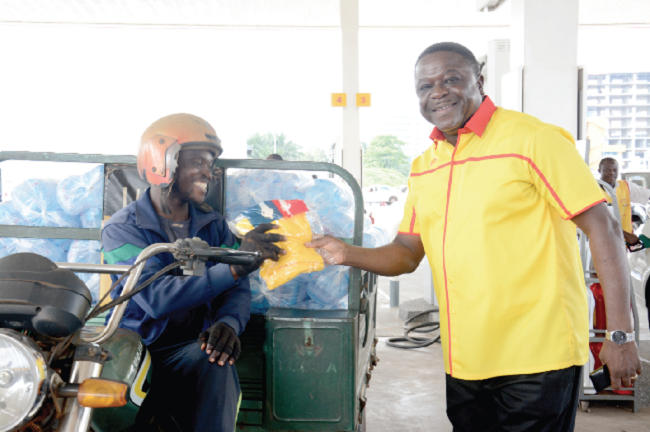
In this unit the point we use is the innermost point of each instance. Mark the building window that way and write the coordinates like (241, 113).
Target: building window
(645, 77)
(626, 155)
(620, 78)
(639, 144)
(596, 79)
(639, 154)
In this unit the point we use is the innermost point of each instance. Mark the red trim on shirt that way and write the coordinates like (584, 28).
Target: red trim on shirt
(412, 221)
(444, 263)
(588, 207)
(501, 156)
(408, 233)
(477, 123)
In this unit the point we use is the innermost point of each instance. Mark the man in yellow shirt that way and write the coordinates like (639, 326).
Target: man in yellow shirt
(626, 194)
(489, 204)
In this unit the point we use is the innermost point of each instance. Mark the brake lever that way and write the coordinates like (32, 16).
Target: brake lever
(194, 253)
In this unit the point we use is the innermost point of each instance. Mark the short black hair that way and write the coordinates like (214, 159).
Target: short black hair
(274, 156)
(607, 159)
(455, 48)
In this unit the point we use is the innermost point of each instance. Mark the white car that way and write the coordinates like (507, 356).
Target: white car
(381, 194)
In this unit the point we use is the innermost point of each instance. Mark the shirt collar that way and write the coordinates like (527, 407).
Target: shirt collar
(147, 218)
(476, 124)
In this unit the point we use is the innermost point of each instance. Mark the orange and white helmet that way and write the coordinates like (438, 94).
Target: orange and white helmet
(165, 138)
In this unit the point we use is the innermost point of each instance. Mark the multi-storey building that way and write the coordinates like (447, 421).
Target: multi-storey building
(622, 101)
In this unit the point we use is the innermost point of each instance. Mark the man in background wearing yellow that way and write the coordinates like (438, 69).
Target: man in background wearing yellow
(626, 194)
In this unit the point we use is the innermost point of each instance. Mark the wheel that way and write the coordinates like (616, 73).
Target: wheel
(636, 224)
(392, 200)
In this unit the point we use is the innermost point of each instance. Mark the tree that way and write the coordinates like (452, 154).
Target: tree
(315, 154)
(385, 151)
(384, 162)
(263, 146)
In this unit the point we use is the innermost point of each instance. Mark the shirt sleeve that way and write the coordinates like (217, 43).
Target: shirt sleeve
(409, 224)
(638, 194)
(559, 173)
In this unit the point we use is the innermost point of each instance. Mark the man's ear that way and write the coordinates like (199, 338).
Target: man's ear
(480, 81)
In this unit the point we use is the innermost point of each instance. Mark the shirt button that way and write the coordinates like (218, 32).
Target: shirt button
(449, 280)
(453, 311)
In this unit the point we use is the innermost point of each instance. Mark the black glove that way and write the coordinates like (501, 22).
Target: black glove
(257, 241)
(220, 340)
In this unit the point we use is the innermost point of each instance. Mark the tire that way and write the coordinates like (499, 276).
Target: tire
(392, 200)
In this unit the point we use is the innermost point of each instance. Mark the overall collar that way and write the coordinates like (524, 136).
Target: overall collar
(147, 218)
(477, 123)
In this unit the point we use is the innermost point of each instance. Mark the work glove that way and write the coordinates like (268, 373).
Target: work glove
(257, 241)
(222, 344)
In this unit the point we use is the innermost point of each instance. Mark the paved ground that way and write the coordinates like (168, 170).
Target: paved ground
(407, 391)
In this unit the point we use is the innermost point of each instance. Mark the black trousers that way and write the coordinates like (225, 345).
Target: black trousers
(542, 402)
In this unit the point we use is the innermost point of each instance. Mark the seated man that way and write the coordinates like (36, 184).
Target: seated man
(176, 155)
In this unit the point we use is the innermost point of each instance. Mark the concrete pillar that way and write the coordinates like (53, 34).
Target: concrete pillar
(394, 291)
(428, 291)
(351, 139)
(544, 41)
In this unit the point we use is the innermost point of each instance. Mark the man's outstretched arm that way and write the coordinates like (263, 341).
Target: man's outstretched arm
(606, 246)
(402, 255)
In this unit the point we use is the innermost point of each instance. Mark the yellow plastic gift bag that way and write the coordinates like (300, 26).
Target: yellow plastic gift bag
(293, 218)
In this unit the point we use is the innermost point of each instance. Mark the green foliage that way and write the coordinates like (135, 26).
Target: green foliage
(263, 146)
(315, 154)
(385, 151)
(384, 162)
(383, 176)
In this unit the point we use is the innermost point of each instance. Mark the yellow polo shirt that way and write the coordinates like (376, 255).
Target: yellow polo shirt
(492, 213)
(624, 204)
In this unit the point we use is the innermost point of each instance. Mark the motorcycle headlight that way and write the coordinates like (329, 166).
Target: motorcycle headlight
(23, 378)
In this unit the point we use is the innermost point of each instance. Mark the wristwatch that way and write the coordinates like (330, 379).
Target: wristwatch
(619, 337)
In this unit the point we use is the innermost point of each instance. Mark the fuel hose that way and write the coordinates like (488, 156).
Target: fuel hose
(412, 342)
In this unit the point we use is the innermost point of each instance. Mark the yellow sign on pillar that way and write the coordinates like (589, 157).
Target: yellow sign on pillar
(363, 99)
(339, 100)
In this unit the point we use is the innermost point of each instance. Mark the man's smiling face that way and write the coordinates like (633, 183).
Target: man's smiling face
(449, 90)
(194, 175)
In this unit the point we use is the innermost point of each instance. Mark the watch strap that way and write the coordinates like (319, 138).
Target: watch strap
(629, 337)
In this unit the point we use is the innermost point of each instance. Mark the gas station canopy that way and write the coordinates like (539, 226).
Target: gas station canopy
(297, 13)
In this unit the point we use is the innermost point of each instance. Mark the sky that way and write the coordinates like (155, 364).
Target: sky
(95, 88)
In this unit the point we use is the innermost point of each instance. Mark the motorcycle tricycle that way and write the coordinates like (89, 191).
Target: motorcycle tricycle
(300, 370)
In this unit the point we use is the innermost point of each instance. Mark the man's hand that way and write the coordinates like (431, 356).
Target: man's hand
(257, 240)
(333, 250)
(220, 341)
(623, 362)
(630, 238)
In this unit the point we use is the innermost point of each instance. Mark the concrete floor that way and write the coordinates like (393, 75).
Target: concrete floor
(407, 390)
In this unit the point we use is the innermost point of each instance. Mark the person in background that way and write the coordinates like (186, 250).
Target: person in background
(274, 156)
(626, 194)
(503, 253)
(195, 384)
